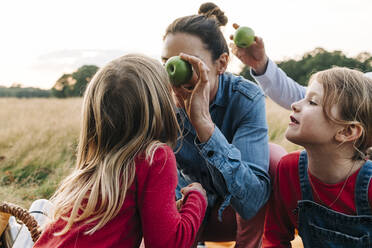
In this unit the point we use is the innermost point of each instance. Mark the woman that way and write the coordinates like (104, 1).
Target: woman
(225, 143)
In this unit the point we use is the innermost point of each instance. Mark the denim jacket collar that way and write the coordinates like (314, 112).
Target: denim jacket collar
(220, 98)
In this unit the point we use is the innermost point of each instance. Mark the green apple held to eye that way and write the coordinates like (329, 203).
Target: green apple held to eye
(244, 37)
(179, 70)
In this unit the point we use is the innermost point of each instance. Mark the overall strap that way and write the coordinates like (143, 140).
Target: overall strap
(361, 189)
(304, 177)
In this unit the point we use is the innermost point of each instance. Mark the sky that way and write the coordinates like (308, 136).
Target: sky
(40, 40)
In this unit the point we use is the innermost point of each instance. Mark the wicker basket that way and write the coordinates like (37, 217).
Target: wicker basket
(23, 216)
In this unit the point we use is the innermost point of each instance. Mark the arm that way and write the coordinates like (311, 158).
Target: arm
(241, 166)
(279, 230)
(274, 82)
(278, 86)
(243, 163)
(162, 224)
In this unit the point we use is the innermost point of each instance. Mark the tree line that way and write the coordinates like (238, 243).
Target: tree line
(316, 60)
(21, 92)
(74, 84)
(68, 85)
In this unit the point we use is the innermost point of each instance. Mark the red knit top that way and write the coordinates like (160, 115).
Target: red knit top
(149, 211)
(281, 219)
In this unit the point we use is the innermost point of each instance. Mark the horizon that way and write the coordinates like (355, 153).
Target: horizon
(45, 39)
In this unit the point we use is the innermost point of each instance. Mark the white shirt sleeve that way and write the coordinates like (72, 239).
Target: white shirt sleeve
(278, 86)
(368, 74)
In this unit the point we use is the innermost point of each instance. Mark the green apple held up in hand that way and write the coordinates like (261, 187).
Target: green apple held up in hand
(244, 37)
(179, 70)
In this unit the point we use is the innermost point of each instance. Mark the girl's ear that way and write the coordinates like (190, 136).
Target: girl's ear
(221, 63)
(350, 132)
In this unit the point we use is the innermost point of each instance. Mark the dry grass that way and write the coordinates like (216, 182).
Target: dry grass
(37, 146)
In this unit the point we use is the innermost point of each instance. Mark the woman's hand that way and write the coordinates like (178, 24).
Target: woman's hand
(253, 56)
(195, 98)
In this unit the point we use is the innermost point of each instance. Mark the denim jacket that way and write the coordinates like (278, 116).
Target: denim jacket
(233, 164)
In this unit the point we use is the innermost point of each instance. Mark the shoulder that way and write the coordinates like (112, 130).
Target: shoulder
(164, 153)
(287, 178)
(289, 162)
(156, 159)
(163, 157)
(242, 86)
(157, 169)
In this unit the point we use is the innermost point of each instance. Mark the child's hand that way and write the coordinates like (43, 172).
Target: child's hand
(253, 56)
(179, 204)
(192, 187)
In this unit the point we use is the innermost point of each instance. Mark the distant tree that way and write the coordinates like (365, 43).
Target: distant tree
(364, 56)
(64, 86)
(69, 85)
(317, 60)
(83, 76)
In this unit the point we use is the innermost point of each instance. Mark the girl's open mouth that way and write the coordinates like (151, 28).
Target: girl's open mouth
(293, 120)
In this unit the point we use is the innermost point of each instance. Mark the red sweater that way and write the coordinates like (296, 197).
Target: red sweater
(280, 219)
(149, 210)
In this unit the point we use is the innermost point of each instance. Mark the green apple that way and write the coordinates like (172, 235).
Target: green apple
(244, 37)
(179, 70)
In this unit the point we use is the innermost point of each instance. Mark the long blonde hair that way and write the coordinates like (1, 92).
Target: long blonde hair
(351, 91)
(127, 110)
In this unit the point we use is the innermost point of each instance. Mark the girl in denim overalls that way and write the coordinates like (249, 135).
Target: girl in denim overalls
(325, 191)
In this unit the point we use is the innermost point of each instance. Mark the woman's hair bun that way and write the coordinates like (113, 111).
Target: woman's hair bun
(212, 10)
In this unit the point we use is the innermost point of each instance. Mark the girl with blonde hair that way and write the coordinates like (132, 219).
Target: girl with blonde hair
(325, 191)
(123, 185)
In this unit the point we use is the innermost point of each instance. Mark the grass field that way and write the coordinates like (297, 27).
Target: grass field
(38, 138)
(37, 143)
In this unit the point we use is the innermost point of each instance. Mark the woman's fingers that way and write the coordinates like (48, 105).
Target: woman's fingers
(194, 61)
(191, 59)
(203, 69)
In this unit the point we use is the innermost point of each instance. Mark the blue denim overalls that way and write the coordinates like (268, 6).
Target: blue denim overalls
(321, 227)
